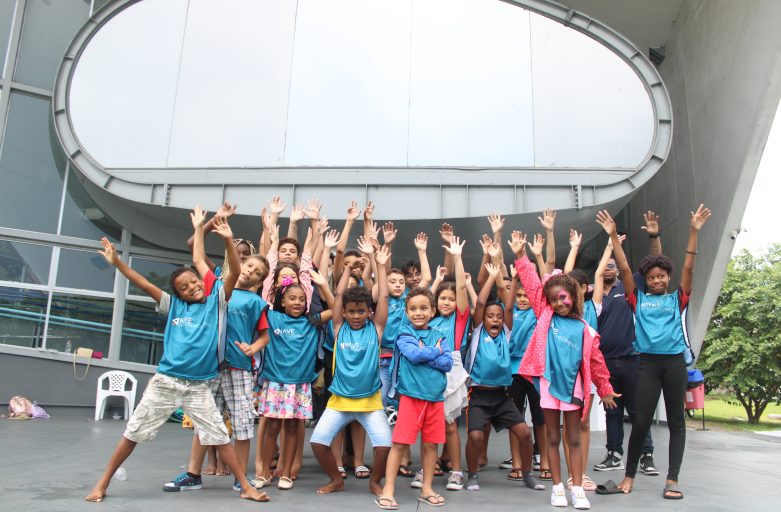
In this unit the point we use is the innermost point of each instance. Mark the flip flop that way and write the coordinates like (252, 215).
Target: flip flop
(545, 474)
(588, 484)
(385, 503)
(672, 488)
(515, 474)
(405, 471)
(609, 487)
(362, 472)
(435, 497)
(342, 471)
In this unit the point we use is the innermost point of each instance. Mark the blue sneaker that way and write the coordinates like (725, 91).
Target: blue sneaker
(237, 485)
(183, 482)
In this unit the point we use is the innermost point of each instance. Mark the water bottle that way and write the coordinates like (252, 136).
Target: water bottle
(121, 474)
(68, 346)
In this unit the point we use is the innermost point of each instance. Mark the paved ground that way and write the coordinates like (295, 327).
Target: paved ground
(50, 465)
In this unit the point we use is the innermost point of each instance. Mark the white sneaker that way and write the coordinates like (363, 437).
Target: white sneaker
(557, 496)
(579, 500)
(417, 482)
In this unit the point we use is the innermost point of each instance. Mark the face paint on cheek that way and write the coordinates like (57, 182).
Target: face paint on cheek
(565, 298)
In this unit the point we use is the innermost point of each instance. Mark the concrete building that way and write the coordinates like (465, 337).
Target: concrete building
(712, 92)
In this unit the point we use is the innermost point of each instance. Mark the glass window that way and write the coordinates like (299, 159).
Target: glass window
(6, 22)
(24, 263)
(84, 321)
(31, 169)
(142, 333)
(47, 30)
(22, 315)
(81, 217)
(86, 270)
(157, 272)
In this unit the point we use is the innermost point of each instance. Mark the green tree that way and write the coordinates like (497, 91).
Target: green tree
(742, 348)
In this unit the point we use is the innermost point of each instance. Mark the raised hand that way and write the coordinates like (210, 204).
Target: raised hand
(365, 245)
(273, 233)
(382, 255)
(317, 277)
(372, 230)
(222, 228)
(297, 213)
(606, 221)
(265, 218)
(575, 238)
(353, 212)
(496, 221)
(109, 252)
(226, 210)
(198, 216)
(548, 219)
(494, 250)
(421, 242)
(368, 212)
(651, 223)
(446, 232)
(244, 347)
(441, 271)
(493, 270)
(700, 217)
(388, 233)
(313, 207)
(485, 243)
(456, 246)
(375, 244)
(331, 239)
(276, 206)
(536, 247)
(621, 239)
(323, 227)
(517, 243)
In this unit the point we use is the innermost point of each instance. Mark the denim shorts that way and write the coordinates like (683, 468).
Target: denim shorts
(332, 422)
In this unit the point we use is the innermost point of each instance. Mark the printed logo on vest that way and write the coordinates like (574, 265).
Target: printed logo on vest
(176, 322)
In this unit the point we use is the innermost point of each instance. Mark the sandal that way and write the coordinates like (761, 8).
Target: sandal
(285, 483)
(405, 471)
(515, 474)
(672, 488)
(342, 471)
(438, 500)
(386, 503)
(545, 474)
(438, 469)
(445, 465)
(588, 484)
(362, 472)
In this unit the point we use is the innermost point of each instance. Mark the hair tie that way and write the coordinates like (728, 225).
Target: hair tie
(286, 281)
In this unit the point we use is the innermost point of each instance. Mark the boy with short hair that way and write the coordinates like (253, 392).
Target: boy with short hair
(423, 358)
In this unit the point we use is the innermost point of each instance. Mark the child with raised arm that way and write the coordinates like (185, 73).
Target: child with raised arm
(662, 344)
(423, 358)
(232, 388)
(562, 357)
(192, 349)
(488, 363)
(355, 389)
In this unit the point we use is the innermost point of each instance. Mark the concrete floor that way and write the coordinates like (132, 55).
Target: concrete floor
(51, 464)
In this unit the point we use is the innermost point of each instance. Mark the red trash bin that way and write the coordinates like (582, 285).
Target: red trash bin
(695, 397)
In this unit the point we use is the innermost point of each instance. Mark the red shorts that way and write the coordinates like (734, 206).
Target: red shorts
(415, 416)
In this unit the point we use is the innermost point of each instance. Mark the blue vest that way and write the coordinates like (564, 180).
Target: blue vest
(356, 370)
(191, 337)
(292, 349)
(397, 318)
(419, 380)
(590, 314)
(490, 360)
(524, 323)
(659, 326)
(563, 356)
(244, 310)
(446, 326)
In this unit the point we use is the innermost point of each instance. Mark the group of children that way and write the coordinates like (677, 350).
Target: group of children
(402, 353)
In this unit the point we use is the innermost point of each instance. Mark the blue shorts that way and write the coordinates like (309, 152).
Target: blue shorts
(332, 422)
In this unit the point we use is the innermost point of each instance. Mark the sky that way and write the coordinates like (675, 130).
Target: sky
(759, 220)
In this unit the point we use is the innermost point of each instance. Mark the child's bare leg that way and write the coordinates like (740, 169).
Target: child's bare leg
(521, 437)
(290, 428)
(585, 436)
(241, 446)
(298, 460)
(515, 449)
(336, 448)
(539, 434)
(273, 426)
(121, 452)
(474, 448)
(259, 447)
(325, 457)
(453, 446)
(553, 435)
(378, 469)
(572, 429)
(565, 441)
(486, 437)
(358, 435)
(211, 462)
(228, 456)
(197, 454)
(428, 463)
(395, 456)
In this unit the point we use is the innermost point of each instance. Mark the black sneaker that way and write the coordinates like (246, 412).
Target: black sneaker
(613, 462)
(183, 482)
(507, 463)
(647, 465)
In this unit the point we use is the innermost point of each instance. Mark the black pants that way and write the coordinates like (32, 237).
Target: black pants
(623, 378)
(666, 374)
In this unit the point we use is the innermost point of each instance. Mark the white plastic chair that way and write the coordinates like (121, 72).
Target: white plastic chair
(116, 387)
